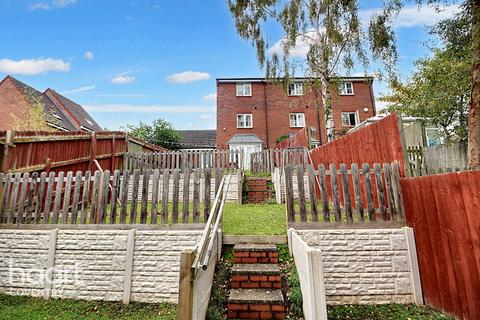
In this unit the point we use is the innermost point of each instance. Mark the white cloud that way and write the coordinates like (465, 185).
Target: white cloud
(89, 55)
(380, 105)
(122, 79)
(414, 16)
(81, 89)
(50, 5)
(210, 97)
(187, 77)
(33, 66)
(301, 48)
(128, 108)
(205, 116)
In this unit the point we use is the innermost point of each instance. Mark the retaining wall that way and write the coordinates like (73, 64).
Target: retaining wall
(115, 265)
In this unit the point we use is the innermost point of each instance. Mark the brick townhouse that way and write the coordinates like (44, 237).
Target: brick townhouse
(253, 112)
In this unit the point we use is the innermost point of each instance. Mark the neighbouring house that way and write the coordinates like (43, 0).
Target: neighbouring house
(253, 112)
(61, 113)
(197, 139)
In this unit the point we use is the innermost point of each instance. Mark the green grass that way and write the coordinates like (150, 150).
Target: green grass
(384, 312)
(20, 307)
(254, 219)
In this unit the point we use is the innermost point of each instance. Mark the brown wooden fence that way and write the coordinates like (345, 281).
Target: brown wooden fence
(444, 211)
(300, 140)
(346, 195)
(100, 197)
(268, 160)
(225, 159)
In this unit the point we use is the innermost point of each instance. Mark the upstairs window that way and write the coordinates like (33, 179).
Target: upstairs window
(346, 89)
(295, 89)
(297, 120)
(244, 120)
(350, 119)
(244, 89)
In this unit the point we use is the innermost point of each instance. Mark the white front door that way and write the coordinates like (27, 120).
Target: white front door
(248, 149)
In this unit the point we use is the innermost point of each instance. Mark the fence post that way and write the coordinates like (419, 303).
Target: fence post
(185, 294)
(127, 282)
(8, 142)
(52, 247)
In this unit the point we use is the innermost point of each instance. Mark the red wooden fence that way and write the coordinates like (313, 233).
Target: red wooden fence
(379, 142)
(299, 140)
(444, 211)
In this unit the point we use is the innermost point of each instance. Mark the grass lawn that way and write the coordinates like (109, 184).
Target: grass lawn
(254, 219)
(384, 312)
(20, 307)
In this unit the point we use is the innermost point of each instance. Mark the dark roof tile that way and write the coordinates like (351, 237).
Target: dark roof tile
(197, 139)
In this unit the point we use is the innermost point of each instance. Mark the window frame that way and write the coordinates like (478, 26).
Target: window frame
(251, 120)
(296, 114)
(295, 93)
(243, 85)
(343, 86)
(357, 118)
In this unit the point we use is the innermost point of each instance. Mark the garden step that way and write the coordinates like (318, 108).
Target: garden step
(253, 276)
(256, 304)
(255, 253)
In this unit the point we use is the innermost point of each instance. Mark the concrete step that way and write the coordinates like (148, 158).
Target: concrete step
(254, 276)
(255, 253)
(256, 304)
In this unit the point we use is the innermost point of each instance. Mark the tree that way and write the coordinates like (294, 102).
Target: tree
(159, 132)
(333, 33)
(34, 118)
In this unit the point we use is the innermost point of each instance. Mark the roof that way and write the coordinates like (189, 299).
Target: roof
(75, 110)
(53, 113)
(244, 138)
(197, 139)
(301, 79)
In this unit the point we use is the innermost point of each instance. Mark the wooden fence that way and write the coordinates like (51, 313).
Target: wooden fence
(225, 159)
(268, 160)
(349, 195)
(104, 198)
(300, 140)
(444, 213)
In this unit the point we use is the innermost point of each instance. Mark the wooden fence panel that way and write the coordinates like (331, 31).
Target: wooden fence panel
(443, 211)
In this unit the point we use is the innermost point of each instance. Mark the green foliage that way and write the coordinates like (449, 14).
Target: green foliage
(220, 287)
(383, 312)
(440, 88)
(283, 254)
(159, 132)
(281, 138)
(295, 295)
(22, 307)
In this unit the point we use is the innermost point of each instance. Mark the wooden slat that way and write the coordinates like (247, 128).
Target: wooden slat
(207, 192)
(30, 198)
(196, 195)
(324, 193)
(5, 197)
(21, 200)
(176, 194)
(48, 197)
(94, 200)
(85, 197)
(134, 199)
(58, 198)
(76, 197)
(389, 189)
(40, 197)
(312, 193)
(166, 185)
(66, 198)
(301, 193)
(154, 205)
(13, 197)
(218, 178)
(124, 196)
(335, 194)
(289, 200)
(357, 189)
(347, 202)
(114, 197)
(144, 205)
(380, 190)
(368, 192)
(105, 197)
(186, 194)
(397, 190)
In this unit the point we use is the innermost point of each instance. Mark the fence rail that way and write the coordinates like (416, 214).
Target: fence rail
(358, 194)
(102, 197)
(225, 159)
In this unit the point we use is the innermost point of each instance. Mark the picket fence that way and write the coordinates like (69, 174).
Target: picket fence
(268, 160)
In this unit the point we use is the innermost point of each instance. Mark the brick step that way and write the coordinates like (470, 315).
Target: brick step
(256, 304)
(253, 276)
(255, 253)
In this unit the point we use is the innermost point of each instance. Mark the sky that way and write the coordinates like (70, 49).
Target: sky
(131, 61)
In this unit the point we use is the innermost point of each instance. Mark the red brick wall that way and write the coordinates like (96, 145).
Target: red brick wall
(279, 106)
(259, 190)
(11, 102)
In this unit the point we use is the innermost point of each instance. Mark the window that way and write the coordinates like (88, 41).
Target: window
(244, 89)
(350, 119)
(297, 120)
(295, 89)
(244, 120)
(346, 89)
